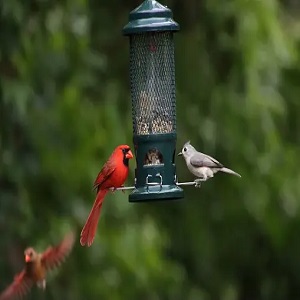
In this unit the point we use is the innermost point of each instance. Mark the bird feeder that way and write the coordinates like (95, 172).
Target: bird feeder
(152, 77)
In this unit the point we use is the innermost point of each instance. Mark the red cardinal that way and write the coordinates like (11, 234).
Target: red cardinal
(36, 267)
(112, 175)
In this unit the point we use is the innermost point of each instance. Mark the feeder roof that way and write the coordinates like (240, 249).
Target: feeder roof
(148, 17)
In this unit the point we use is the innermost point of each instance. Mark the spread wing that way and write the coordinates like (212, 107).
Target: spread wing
(19, 288)
(203, 160)
(106, 171)
(54, 256)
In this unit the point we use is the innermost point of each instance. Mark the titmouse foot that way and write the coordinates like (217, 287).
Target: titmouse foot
(198, 182)
(198, 185)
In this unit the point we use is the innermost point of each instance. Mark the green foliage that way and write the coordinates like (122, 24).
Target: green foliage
(65, 105)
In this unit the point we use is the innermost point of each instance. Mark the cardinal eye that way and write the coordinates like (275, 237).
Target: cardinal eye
(125, 150)
(184, 149)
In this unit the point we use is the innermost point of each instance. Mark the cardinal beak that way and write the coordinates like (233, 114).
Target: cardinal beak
(27, 258)
(179, 154)
(129, 155)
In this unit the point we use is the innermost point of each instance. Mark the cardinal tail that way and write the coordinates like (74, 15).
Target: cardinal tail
(89, 230)
(228, 171)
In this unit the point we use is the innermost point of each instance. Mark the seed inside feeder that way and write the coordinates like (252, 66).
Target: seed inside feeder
(152, 118)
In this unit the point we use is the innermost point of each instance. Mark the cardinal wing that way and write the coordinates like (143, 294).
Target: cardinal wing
(105, 173)
(54, 256)
(19, 288)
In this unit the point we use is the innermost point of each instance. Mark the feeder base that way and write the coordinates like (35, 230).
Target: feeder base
(156, 193)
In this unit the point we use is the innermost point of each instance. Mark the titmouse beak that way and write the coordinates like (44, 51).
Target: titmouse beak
(179, 154)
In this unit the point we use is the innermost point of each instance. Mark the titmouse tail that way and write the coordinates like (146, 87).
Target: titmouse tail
(228, 171)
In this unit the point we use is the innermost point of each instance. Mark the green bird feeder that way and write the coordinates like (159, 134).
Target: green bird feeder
(152, 77)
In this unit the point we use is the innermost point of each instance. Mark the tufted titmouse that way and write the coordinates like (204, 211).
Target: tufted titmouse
(202, 165)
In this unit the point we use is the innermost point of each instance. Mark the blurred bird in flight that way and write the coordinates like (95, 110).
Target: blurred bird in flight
(36, 267)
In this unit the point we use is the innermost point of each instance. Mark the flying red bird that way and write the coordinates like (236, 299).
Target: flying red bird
(36, 267)
(112, 175)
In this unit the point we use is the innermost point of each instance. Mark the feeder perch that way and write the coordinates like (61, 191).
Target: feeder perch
(152, 77)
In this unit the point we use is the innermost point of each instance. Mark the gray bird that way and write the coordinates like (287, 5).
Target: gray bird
(201, 165)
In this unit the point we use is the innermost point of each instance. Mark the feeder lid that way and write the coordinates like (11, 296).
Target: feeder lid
(150, 16)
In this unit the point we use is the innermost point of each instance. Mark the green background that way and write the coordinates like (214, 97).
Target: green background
(65, 104)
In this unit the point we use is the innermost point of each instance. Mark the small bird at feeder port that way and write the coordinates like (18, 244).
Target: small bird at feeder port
(36, 267)
(201, 165)
(153, 157)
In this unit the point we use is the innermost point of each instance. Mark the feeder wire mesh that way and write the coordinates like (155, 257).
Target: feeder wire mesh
(152, 83)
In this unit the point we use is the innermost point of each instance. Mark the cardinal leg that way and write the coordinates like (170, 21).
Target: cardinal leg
(114, 189)
(122, 187)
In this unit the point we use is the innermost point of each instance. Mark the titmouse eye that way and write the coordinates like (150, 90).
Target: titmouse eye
(184, 149)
